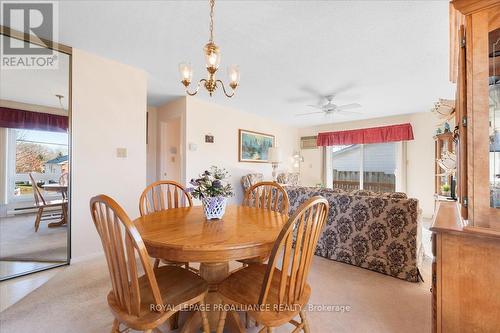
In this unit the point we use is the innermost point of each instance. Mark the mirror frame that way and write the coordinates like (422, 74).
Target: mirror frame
(12, 33)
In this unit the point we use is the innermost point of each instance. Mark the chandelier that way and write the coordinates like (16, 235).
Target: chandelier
(212, 58)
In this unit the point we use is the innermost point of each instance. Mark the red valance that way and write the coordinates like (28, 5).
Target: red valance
(367, 135)
(13, 118)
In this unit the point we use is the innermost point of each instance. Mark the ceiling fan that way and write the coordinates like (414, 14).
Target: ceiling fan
(330, 108)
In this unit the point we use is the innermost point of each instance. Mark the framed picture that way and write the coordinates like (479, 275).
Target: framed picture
(209, 138)
(254, 146)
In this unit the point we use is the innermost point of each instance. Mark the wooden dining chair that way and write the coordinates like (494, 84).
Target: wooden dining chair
(162, 195)
(265, 195)
(278, 291)
(135, 300)
(43, 204)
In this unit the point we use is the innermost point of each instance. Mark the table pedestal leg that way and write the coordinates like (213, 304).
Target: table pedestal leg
(213, 273)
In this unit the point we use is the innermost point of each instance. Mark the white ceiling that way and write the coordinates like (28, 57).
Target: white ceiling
(389, 56)
(36, 86)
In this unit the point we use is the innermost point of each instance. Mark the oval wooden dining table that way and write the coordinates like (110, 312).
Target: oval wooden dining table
(185, 235)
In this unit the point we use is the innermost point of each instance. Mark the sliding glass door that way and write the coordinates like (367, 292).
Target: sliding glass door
(346, 164)
(370, 167)
(379, 167)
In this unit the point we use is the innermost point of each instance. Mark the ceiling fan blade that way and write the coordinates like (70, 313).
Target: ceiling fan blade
(347, 113)
(348, 106)
(316, 106)
(311, 91)
(299, 99)
(342, 88)
(306, 114)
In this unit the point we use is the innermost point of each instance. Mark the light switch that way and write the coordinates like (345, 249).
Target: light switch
(121, 152)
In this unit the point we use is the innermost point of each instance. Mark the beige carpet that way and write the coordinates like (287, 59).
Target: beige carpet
(19, 241)
(74, 301)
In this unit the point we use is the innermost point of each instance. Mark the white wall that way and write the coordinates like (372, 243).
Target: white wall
(109, 111)
(420, 154)
(312, 167)
(151, 145)
(223, 123)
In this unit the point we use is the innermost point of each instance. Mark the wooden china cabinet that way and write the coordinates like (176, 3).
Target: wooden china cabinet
(466, 233)
(442, 143)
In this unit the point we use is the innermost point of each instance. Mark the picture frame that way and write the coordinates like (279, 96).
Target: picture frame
(209, 138)
(253, 146)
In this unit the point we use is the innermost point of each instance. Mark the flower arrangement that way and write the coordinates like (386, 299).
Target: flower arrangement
(212, 188)
(211, 184)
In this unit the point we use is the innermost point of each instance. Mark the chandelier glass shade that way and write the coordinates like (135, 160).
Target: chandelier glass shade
(212, 62)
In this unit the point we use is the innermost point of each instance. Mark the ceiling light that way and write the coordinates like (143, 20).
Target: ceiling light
(212, 59)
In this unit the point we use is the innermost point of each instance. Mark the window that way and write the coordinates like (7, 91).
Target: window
(41, 153)
(372, 167)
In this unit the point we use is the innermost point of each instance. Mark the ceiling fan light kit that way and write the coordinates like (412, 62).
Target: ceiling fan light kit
(212, 60)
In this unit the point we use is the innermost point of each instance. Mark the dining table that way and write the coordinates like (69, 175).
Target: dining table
(185, 235)
(63, 189)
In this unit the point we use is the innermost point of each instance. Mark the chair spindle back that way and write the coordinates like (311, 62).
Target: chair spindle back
(163, 194)
(121, 241)
(296, 245)
(267, 195)
(39, 200)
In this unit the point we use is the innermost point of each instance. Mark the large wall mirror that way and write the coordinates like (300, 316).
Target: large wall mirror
(494, 118)
(35, 111)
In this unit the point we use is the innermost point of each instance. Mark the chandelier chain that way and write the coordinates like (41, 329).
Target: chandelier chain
(212, 5)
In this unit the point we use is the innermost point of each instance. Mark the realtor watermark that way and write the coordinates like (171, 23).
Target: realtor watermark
(39, 21)
(254, 307)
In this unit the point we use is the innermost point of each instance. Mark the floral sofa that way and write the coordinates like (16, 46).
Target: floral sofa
(380, 232)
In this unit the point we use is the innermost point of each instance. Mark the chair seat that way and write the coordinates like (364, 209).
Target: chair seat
(244, 286)
(51, 203)
(178, 287)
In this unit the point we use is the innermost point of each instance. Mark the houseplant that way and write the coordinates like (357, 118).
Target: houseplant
(212, 188)
(445, 189)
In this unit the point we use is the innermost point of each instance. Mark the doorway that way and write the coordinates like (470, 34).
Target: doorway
(170, 150)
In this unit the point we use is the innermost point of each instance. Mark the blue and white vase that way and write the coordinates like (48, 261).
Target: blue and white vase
(214, 207)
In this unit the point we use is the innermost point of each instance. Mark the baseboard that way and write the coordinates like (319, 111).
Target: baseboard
(87, 257)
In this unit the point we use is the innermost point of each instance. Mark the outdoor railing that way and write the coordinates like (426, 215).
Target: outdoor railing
(348, 185)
